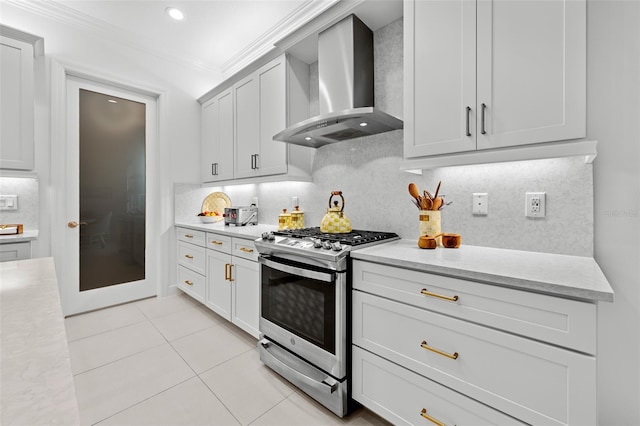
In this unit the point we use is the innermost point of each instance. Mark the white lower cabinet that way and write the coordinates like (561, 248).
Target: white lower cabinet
(233, 281)
(15, 251)
(406, 398)
(190, 254)
(218, 284)
(455, 344)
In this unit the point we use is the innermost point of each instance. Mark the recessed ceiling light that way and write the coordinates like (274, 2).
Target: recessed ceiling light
(363, 124)
(307, 138)
(175, 13)
(113, 101)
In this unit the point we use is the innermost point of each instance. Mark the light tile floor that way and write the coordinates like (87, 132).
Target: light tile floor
(171, 361)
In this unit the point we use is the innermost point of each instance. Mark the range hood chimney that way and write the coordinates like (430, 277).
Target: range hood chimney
(345, 73)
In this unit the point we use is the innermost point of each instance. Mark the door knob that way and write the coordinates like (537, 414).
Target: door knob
(74, 224)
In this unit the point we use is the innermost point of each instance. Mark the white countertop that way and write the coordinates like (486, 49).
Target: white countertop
(37, 383)
(19, 238)
(247, 231)
(554, 274)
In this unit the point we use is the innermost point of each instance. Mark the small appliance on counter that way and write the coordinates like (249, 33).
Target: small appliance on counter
(241, 216)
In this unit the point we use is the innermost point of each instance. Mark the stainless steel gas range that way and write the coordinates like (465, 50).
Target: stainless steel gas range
(305, 319)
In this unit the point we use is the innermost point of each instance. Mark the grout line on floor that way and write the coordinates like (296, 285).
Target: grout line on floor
(141, 401)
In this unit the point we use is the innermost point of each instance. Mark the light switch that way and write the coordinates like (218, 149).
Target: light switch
(8, 202)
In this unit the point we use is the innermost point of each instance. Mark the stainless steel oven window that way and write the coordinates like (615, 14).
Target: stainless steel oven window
(301, 301)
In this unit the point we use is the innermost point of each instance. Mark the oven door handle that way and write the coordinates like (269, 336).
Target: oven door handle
(328, 385)
(301, 272)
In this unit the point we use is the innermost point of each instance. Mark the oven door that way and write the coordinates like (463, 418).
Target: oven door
(303, 309)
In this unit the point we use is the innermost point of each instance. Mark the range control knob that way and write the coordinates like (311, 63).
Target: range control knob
(268, 236)
(317, 243)
(336, 246)
(326, 245)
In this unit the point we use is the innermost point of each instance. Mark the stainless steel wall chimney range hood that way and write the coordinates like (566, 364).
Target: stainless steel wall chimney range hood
(345, 73)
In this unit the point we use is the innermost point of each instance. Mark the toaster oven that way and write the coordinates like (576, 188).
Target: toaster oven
(241, 216)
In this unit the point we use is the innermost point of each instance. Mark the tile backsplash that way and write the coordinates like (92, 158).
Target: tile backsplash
(367, 171)
(27, 191)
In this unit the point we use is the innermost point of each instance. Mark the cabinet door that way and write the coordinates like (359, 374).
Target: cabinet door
(218, 292)
(16, 104)
(246, 295)
(273, 117)
(217, 138)
(247, 126)
(531, 71)
(440, 76)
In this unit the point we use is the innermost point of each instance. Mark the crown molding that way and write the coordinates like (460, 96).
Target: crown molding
(68, 16)
(262, 45)
(304, 14)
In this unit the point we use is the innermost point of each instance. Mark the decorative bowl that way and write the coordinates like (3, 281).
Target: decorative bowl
(209, 219)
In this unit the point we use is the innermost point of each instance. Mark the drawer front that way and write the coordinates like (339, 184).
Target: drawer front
(400, 396)
(218, 242)
(191, 236)
(192, 257)
(244, 248)
(191, 283)
(563, 322)
(532, 381)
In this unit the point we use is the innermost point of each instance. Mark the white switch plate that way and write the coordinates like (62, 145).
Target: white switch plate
(535, 204)
(255, 201)
(294, 202)
(480, 203)
(8, 202)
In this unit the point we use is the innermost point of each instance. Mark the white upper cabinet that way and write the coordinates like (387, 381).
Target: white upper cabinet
(217, 138)
(247, 126)
(261, 105)
(491, 74)
(17, 103)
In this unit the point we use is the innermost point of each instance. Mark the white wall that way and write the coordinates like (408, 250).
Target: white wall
(85, 48)
(613, 99)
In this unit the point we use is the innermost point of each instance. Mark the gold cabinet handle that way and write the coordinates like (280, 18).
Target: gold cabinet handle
(218, 243)
(187, 282)
(439, 296)
(228, 272)
(424, 414)
(188, 236)
(438, 351)
(188, 256)
(246, 250)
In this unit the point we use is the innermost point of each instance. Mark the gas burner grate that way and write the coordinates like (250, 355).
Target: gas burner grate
(353, 238)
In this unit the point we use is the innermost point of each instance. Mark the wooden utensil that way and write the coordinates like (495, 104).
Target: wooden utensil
(437, 203)
(426, 204)
(437, 190)
(414, 191)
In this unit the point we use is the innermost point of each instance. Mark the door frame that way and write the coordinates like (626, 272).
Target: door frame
(60, 72)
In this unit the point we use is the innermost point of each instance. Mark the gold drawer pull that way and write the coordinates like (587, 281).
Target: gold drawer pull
(228, 272)
(438, 351)
(188, 236)
(188, 256)
(439, 296)
(246, 250)
(187, 282)
(218, 243)
(424, 414)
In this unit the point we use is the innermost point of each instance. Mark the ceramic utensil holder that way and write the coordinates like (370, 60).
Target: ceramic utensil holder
(431, 224)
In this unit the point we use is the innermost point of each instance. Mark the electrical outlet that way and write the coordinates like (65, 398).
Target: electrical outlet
(535, 204)
(255, 201)
(8, 202)
(480, 203)
(294, 202)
